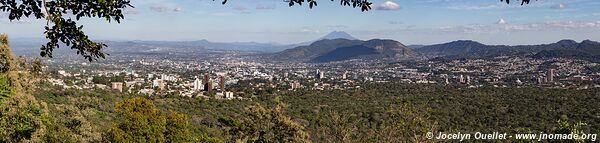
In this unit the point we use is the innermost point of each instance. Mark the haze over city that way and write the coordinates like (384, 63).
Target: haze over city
(408, 21)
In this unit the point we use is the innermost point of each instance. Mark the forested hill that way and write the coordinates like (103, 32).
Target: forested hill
(473, 49)
(383, 112)
(344, 49)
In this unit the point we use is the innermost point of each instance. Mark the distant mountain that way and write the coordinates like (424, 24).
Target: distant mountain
(338, 35)
(586, 50)
(318, 48)
(452, 48)
(416, 46)
(372, 49)
(473, 49)
(235, 46)
(343, 49)
(31, 46)
(330, 36)
(589, 46)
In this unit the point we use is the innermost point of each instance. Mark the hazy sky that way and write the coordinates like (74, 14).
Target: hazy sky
(408, 21)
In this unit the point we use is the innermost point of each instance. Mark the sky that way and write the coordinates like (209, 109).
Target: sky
(407, 21)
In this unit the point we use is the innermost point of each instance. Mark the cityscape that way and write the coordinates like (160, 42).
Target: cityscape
(220, 76)
(300, 71)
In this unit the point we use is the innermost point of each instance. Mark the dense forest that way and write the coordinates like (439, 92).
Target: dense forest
(375, 113)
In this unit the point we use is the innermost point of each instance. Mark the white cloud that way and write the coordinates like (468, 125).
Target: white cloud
(395, 22)
(559, 6)
(265, 7)
(498, 6)
(131, 11)
(165, 7)
(501, 21)
(540, 26)
(242, 9)
(177, 9)
(387, 5)
(478, 7)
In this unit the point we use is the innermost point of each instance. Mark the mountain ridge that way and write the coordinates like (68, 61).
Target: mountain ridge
(338, 35)
(473, 49)
(343, 49)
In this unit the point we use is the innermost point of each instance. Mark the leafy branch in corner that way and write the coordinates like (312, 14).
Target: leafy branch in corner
(61, 25)
(522, 1)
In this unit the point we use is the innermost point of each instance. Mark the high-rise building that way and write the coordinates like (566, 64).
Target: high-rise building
(345, 75)
(319, 74)
(207, 83)
(468, 79)
(222, 83)
(551, 75)
(197, 84)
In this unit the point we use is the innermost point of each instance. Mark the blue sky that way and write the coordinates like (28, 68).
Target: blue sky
(407, 21)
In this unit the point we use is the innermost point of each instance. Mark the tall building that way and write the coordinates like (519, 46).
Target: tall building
(117, 86)
(319, 74)
(468, 79)
(446, 78)
(222, 83)
(551, 75)
(197, 84)
(345, 75)
(207, 83)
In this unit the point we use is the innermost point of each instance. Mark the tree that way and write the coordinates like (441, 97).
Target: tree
(565, 127)
(140, 121)
(37, 66)
(22, 119)
(13, 75)
(364, 5)
(61, 28)
(5, 64)
(5, 90)
(70, 124)
(262, 124)
(522, 1)
(177, 128)
(6, 55)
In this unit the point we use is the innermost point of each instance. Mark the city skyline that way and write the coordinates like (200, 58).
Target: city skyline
(410, 22)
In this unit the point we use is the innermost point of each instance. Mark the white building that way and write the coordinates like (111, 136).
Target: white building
(228, 95)
(158, 83)
(168, 77)
(198, 84)
(117, 86)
